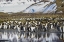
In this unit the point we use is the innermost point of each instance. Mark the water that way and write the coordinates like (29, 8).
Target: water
(15, 36)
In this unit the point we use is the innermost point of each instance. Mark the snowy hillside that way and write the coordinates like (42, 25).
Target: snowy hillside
(27, 6)
(46, 7)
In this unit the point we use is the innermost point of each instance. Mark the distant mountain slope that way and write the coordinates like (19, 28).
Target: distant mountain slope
(44, 7)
